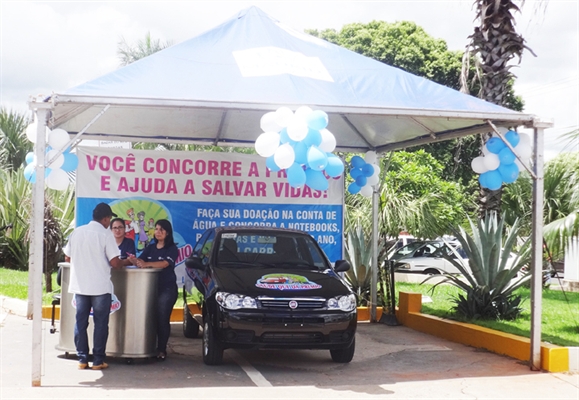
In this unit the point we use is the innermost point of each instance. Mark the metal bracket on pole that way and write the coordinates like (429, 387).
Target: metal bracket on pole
(75, 140)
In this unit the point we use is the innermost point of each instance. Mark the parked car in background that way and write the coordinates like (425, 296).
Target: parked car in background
(271, 288)
(415, 249)
(428, 257)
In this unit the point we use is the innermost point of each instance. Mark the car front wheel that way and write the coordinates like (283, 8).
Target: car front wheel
(212, 349)
(344, 355)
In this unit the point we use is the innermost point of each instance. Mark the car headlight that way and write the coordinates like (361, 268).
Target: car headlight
(234, 301)
(403, 266)
(344, 303)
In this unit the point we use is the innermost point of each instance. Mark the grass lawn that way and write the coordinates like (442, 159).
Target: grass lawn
(560, 312)
(14, 284)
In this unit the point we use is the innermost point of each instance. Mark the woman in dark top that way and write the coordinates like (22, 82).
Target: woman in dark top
(126, 245)
(162, 253)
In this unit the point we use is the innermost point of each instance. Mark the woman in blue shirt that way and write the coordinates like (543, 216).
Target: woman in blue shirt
(126, 245)
(162, 253)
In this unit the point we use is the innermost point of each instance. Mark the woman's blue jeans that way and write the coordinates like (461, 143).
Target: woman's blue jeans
(101, 308)
(166, 299)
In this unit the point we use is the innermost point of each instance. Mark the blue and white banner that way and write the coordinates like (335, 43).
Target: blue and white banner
(199, 190)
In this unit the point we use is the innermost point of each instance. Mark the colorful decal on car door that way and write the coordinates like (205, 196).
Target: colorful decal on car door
(286, 282)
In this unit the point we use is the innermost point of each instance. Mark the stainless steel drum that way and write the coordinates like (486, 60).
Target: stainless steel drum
(132, 324)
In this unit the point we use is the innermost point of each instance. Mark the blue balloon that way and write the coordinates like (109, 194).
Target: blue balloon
(316, 180)
(30, 173)
(317, 159)
(313, 138)
(356, 172)
(353, 188)
(271, 165)
(335, 166)
(509, 172)
(368, 170)
(70, 162)
(357, 162)
(30, 157)
(296, 176)
(495, 145)
(513, 138)
(317, 120)
(361, 181)
(491, 180)
(506, 156)
(301, 152)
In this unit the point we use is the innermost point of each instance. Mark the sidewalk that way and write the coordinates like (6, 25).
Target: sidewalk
(390, 362)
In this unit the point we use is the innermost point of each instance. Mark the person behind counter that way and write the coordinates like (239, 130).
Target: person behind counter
(126, 245)
(162, 253)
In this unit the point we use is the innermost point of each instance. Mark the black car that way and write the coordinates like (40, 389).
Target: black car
(271, 288)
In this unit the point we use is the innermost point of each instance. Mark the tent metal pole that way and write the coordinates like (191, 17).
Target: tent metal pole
(374, 280)
(537, 249)
(37, 243)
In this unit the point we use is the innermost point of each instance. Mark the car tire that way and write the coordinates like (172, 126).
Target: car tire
(212, 349)
(345, 354)
(190, 326)
(431, 271)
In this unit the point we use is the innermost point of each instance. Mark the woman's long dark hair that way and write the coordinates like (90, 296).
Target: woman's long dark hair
(166, 225)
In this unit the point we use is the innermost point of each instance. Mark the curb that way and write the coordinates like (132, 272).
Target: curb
(553, 358)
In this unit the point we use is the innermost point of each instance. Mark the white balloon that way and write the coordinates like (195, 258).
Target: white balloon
(502, 130)
(58, 161)
(284, 156)
(268, 124)
(478, 165)
(328, 141)
(297, 129)
(524, 150)
(31, 131)
(370, 157)
(524, 139)
(267, 143)
(373, 180)
(376, 169)
(521, 166)
(303, 112)
(366, 190)
(485, 151)
(283, 116)
(58, 138)
(491, 161)
(57, 179)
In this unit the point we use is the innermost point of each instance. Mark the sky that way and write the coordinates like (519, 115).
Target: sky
(50, 46)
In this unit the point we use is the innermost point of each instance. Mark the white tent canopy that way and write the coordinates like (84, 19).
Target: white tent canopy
(214, 88)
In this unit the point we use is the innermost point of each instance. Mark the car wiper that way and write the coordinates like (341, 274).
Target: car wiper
(247, 264)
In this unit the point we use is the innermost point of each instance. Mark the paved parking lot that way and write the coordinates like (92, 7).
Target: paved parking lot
(390, 362)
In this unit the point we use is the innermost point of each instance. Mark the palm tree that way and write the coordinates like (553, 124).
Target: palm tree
(14, 145)
(130, 53)
(561, 205)
(494, 43)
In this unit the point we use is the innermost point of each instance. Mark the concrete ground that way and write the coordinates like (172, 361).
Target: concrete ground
(390, 362)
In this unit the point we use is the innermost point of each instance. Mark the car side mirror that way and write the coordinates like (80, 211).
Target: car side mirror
(342, 266)
(194, 262)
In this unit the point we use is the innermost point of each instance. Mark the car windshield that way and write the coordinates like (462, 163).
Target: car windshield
(280, 250)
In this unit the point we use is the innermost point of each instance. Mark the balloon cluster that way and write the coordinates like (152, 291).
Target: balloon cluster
(365, 173)
(498, 163)
(56, 175)
(300, 144)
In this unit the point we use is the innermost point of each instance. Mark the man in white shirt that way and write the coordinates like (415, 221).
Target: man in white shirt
(92, 250)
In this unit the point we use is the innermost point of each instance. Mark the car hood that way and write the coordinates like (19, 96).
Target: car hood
(270, 281)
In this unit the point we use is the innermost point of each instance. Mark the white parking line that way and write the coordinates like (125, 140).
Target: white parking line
(251, 372)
